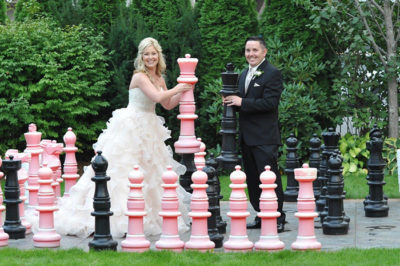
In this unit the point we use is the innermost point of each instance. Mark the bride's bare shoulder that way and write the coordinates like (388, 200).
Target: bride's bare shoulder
(137, 79)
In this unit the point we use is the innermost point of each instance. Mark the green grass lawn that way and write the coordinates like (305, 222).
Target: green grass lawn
(363, 257)
(356, 186)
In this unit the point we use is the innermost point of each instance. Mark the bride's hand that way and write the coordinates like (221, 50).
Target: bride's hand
(182, 87)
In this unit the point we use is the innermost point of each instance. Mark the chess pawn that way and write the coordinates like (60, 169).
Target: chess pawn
(199, 239)
(169, 239)
(135, 240)
(70, 165)
(238, 240)
(46, 237)
(269, 239)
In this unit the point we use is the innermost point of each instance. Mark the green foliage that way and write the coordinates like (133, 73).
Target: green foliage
(210, 114)
(99, 14)
(355, 154)
(224, 26)
(362, 78)
(390, 147)
(3, 12)
(286, 21)
(52, 77)
(304, 103)
(27, 9)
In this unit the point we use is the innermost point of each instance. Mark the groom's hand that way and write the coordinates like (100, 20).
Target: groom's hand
(233, 100)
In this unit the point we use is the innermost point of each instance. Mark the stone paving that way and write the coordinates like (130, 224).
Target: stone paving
(363, 232)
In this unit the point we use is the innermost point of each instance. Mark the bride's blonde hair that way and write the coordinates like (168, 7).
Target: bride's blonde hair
(139, 64)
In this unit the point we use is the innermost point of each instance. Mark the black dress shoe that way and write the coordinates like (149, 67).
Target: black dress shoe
(281, 227)
(256, 224)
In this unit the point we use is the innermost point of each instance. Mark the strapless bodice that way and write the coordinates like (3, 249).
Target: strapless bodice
(139, 101)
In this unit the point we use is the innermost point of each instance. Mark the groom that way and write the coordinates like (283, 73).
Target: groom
(260, 89)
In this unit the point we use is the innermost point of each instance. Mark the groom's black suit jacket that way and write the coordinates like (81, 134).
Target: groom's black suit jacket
(258, 115)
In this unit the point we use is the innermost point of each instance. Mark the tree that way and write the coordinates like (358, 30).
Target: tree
(365, 40)
(287, 22)
(224, 26)
(389, 30)
(3, 12)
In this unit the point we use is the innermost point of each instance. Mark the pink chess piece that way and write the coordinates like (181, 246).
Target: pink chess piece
(59, 180)
(135, 240)
(70, 165)
(199, 239)
(32, 138)
(306, 209)
(169, 239)
(269, 239)
(49, 157)
(3, 235)
(238, 240)
(46, 237)
(199, 157)
(187, 142)
(22, 178)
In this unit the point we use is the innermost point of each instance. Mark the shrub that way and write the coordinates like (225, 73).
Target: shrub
(27, 9)
(390, 147)
(355, 154)
(55, 77)
(3, 12)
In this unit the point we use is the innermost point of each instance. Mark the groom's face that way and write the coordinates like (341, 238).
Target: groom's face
(255, 52)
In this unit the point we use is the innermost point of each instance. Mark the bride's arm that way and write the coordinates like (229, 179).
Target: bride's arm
(140, 80)
(171, 102)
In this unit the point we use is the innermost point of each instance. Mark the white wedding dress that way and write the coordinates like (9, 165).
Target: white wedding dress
(134, 136)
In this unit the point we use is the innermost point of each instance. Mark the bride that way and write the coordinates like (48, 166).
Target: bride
(134, 135)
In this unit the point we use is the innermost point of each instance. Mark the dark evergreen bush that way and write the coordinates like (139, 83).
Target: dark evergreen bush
(224, 26)
(53, 77)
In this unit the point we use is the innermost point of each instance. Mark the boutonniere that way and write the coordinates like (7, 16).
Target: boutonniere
(257, 74)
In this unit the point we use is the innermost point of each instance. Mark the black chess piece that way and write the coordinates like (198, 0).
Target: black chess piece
(335, 223)
(229, 156)
(213, 207)
(292, 161)
(315, 162)
(102, 239)
(375, 204)
(12, 224)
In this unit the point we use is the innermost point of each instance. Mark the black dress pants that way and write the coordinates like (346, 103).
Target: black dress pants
(255, 158)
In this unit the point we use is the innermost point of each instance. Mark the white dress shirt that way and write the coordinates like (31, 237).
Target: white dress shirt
(250, 74)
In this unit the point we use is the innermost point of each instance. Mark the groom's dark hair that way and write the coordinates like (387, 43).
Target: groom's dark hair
(258, 39)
